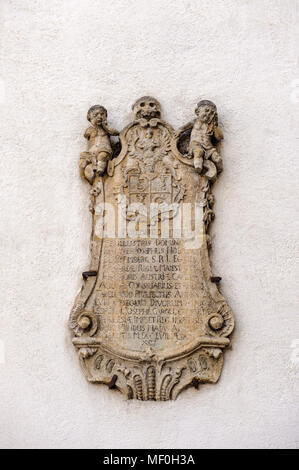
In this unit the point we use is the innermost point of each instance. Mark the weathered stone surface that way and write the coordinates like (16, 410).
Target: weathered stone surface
(150, 319)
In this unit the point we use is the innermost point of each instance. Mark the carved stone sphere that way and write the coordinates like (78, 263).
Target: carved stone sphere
(84, 322)
(216, 322)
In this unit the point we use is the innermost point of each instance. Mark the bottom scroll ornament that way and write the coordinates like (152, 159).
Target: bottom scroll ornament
(157, 378)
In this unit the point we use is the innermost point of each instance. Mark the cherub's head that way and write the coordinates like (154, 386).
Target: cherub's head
(147, 107)
(97, 115)
(206, 111)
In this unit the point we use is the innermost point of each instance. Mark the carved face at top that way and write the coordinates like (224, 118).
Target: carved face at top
(147, 108)
(206, 111)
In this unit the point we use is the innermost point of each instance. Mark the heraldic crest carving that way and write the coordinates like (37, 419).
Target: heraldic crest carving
(150, 319)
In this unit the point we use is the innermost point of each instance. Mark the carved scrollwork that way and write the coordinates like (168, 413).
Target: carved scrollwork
(85, 353)
(183, 141)
(221, 323)
(151, 379)
(83, 323)
(98, 361)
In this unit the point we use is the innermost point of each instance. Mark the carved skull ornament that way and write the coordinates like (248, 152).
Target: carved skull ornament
(147, 107)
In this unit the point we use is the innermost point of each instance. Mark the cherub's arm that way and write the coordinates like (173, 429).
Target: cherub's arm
(85, 156)
(87, 132)
(184, 128)
(113, 132)
(218, 134)
(109, 130)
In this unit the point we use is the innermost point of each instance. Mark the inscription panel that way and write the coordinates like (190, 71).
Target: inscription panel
(149, 295)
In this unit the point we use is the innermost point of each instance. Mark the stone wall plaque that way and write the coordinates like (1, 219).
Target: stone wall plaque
(150, 319)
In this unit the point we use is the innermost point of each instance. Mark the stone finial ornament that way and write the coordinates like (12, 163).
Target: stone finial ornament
(150, 319)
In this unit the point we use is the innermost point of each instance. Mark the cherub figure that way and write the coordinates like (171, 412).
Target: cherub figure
(94, 161)
(205, 135)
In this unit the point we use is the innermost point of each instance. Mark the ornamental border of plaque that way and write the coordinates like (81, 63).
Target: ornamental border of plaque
(151, 374)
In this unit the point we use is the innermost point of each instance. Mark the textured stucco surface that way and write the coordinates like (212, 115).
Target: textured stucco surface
(57, 59)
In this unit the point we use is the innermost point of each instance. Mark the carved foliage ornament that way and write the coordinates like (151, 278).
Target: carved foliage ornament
(150, 319)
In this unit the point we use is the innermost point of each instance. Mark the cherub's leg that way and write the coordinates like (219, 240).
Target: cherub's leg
(217, 159)
(198, 158)
(89, 173)
(103, 157)
(101, 166)
(84, 160)
(211, 172)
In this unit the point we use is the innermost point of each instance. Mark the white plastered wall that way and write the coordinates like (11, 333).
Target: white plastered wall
(57, 59)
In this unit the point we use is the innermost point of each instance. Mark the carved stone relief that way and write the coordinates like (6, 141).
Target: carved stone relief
(150, 319)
